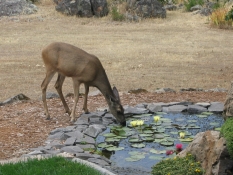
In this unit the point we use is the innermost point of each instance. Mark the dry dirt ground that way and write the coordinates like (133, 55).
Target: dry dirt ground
(180, 51)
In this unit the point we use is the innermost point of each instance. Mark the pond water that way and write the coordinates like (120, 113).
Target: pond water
(136, 149)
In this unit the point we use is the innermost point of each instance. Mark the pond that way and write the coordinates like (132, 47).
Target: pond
(135, 149)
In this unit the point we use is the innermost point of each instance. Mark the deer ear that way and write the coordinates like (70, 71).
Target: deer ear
(116, 94)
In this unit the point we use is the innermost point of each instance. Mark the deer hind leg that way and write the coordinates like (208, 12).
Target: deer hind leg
(76, 85)
(85, 98)
(44, 85)
(58, 86)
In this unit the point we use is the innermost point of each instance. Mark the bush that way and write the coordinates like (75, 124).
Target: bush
(116, 16)
(190, 3)
(174, 166)
(218, 18)
(229, 15)
(227, 132)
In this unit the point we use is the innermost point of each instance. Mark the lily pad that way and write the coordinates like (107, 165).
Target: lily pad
(156, 157)
(140, 145)
(207, 113)
(112, 139)
(214, 124)
(134, 140)
(104, 145)
(167, 143)
(202, 116)
(146, 135)
(109, 135)
(217, 129)
(114, 148)
(149, 139)
(158, 151)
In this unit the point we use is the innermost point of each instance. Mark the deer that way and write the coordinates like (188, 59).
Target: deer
(84, 68)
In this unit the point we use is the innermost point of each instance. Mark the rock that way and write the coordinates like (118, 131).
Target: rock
(85, 140)
(19, 97)
(131, 110)
(50, 95)
(216, 107)
(83, 8)
(154, 107)
(210, 150)
(163, 90)
(204, 104)
(72, 149)
(228, 108)
(170, 7)
(195, 109)
(94, 130)
(175, 108)
(196, 7)
(16, 7)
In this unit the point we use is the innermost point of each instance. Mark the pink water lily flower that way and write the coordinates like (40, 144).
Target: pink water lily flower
(179, 147)
(169, 152)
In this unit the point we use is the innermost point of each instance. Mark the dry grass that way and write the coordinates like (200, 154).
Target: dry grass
(217, 18)
(180, 51)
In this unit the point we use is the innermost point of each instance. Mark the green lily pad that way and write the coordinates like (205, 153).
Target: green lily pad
(158, 140)
(158, 151)
(114, 148)
(148, 132)
(156, 157)
(167, 143)
(160, 113)
(109, 135)
(214, 124)
(174, 132)
(112, 139)
(134, 140)
(179, 119)
(140, 145)
(192, 121)
(207, 113)
(149, 139)
(104, 145)
(202, 116)
(146, 135)
(159, 136)
(217, 129)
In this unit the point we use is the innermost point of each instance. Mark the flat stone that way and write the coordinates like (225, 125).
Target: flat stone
(196, 109)
(85, 155)
(154, 107)
(204, 104)
(58, 136)
(98, 161)
(86, 146)
(70, 141)
(95, 119)
(16, 98)
(81, 128)
(175, 108)
(75, 134)
(85, 139)
(64, 130)
(132, 110)
(94, 130)
(36, 152)
(216, 107)
(72, 149)
(52, 152)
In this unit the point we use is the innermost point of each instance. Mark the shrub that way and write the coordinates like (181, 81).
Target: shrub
(116, 16)
(190, 3)
(174, 166)
(218, 18)
(229, 15)
(227, 132)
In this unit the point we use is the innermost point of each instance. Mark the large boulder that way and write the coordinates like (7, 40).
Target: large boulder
(82, 8)
(210, 150)
(146, 8)
(16, 7)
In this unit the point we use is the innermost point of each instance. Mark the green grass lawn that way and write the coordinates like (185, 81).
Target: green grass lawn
(49, 166)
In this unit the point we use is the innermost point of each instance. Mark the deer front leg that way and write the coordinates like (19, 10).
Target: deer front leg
(76, 85)
(85, 99)
(58, 86)
(44, 85)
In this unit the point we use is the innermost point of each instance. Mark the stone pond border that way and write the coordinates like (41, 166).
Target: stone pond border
(71, 141)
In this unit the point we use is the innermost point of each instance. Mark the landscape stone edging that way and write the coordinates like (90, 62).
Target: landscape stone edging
(73, 139)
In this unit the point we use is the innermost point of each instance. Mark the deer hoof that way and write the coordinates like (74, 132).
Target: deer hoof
(48, 118)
